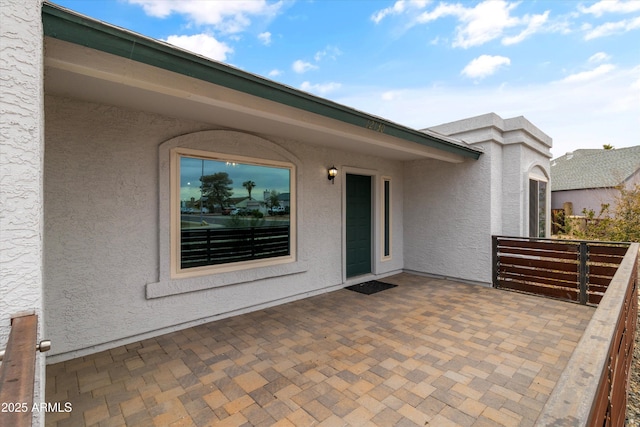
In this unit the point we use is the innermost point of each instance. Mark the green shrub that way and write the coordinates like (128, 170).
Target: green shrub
(621, 224)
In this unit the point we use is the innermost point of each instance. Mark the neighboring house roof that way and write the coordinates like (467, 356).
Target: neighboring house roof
(63, 24)
(582, 169)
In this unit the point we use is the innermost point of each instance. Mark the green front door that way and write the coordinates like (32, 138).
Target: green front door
(358, 226)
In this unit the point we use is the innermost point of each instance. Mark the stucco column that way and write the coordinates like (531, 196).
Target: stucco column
(21, 159)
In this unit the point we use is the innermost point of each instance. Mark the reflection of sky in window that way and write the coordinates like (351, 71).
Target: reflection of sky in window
(265, 177)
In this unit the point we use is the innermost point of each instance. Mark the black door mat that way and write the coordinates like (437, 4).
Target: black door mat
(370, 287)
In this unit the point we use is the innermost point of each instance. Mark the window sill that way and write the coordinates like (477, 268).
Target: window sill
(201, 283)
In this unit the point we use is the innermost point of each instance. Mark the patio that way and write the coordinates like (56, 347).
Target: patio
(429, 351)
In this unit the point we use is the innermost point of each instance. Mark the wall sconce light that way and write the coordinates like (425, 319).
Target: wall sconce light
(332, 173)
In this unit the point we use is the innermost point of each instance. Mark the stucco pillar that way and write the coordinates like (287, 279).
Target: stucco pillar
(21, 159)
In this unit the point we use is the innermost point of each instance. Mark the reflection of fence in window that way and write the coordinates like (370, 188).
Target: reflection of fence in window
(212, 246)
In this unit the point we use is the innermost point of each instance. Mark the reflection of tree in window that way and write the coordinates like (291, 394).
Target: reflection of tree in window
(272, 200)
(217, 188)
(249, 185)
(236, 230)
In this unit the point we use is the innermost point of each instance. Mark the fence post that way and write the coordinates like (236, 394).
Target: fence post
(583, 271)
(494, 257)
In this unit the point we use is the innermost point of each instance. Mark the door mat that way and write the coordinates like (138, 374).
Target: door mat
(370, 287)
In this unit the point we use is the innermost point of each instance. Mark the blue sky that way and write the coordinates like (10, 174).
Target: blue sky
(572, 68)
(265, 178)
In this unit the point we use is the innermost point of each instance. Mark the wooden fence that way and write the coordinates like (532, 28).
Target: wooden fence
(17, 372)
(592, 390)
(578, 271)
(210, 246)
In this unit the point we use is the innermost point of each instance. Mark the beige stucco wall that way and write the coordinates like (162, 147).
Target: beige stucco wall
(448, 223)
(21, 151)
(104, 227)
(518, 150)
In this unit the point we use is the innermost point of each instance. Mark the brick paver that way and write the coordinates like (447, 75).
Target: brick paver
(428, 352)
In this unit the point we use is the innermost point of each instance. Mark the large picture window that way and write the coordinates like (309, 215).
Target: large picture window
(231, 212)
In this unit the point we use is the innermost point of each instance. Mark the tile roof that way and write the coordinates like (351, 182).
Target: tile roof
(590, 168)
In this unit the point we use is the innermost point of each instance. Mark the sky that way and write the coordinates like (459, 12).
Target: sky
(265, 178)
(570, 67)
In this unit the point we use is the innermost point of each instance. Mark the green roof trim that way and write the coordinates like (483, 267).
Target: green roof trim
(65, 25)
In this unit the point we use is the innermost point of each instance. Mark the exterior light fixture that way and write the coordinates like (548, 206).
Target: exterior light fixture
(332, 173)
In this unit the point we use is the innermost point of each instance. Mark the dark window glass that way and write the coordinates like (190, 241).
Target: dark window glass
(233, 212)
(387, 218)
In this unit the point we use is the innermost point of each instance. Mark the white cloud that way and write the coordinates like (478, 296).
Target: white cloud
(399, 7)
(202, 44)
(575, 115)
(275, 73)
(330, 52)
(301, 66)
(265, 38)
(610, 28)
(611, 6)
(227, 16)
(535, 23)
(599, 57)
(442, 10)
(320, 89)
(585, 76)
(389, 95)
(486, 21)
(484, 66)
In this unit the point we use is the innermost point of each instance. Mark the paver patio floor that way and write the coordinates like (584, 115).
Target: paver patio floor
(428, 352)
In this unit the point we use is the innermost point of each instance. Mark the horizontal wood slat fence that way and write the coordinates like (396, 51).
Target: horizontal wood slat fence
(211, 246)
(573, 270)
(592, 390)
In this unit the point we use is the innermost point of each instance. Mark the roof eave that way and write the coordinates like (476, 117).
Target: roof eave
(66, 25)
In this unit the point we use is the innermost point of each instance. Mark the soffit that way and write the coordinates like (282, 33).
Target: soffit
(94, 75)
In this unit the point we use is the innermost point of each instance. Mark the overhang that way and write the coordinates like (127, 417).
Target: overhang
(97, 62)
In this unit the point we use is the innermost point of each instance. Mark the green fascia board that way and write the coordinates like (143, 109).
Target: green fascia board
(61, 24)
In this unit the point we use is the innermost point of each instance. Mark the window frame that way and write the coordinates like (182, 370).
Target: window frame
(175, 216)
(534, 206)
(386, 222)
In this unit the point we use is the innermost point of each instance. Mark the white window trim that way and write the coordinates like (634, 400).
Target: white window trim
(536, 173)
(176, 271)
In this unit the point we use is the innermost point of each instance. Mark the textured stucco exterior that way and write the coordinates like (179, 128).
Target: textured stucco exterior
(519, 151)
(21, 151)
(106, 260)
(86, 214)
(448, 220)
(107, 226)
(451, 211)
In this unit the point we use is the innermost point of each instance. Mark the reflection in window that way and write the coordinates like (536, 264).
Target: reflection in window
(233, 211)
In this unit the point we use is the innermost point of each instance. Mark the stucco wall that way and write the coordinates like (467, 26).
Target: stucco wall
(104, 227)
(448, 218)
(517, 149)
(520, 164)
(21, 149)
